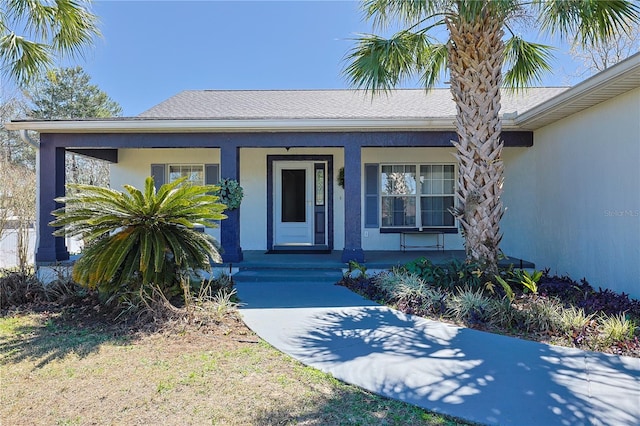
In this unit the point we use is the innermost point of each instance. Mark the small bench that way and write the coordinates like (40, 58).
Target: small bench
(437, 231)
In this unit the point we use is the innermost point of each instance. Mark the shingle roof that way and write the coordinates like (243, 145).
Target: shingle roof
(328, 104)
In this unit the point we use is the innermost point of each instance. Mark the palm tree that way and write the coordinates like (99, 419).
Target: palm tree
(32, 32)
(475, 54)
(139, 238)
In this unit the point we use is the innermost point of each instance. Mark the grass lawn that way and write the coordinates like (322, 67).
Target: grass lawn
(61, 369)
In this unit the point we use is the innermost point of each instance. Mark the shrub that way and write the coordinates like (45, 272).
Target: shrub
(357, 270)
(574, 319)
(212, 301)
(409, 292)
(610, 303)
(137, 239)
(449, 276)
(408, 285)
(616, 328)
(415, 296)
(204, 302)
(434, 301)
(24, 288)
(469, 306)
(527, 282)
(365, 287)
(18, 288)
(386, 283)
(504, 315)
(542, 315)
(564, 288)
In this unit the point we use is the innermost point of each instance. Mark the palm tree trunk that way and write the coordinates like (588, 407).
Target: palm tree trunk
(476, 53)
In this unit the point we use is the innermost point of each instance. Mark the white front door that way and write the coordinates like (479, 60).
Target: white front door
(293, 203)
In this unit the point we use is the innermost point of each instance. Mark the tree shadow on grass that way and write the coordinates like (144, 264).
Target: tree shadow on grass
(465, 373)
(46, 337)
(351, 406)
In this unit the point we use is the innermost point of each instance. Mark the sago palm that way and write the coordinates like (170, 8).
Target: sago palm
(479, 60)
(33, 32)
(139, 238)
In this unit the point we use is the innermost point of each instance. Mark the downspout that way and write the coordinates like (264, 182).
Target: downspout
(24, 135)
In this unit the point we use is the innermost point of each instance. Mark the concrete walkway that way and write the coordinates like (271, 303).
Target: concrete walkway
(468, 374)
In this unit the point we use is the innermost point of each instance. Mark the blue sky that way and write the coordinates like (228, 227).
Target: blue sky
(151, 50)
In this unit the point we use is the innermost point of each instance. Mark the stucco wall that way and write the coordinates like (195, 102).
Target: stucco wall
(519, 201)
(575, 196)
(253, 176)
(134, 166)
(372, 239)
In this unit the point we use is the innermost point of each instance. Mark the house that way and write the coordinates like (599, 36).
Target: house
(572, 169)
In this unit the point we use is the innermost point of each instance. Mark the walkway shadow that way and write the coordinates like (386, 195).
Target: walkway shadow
(465, 373)
(462, 372)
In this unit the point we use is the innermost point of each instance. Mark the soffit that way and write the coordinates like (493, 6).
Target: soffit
(612, 82)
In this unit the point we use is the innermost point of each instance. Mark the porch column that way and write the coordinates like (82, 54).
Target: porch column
(352, 204)
(51, 181)
(230, 227)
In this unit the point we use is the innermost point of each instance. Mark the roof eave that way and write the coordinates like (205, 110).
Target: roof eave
(226, 126)
(614, 81)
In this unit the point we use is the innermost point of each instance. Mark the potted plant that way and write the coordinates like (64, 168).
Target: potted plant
(230, 193)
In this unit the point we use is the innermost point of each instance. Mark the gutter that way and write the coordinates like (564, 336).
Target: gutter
(138, 125)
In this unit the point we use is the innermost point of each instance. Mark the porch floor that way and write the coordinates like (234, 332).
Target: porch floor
(259, 259)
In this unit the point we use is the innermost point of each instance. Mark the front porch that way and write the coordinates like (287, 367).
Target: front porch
(329, 263)
(373, 260)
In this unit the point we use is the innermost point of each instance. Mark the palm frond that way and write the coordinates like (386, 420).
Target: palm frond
(379, 64)
(385, 12)
(525, 62)
(23, 58)
(134, 235)
(32, 32)
(587, 21)
(433, 64)
(473, 10)
(76, 26)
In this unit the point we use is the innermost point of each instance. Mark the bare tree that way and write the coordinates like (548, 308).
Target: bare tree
(4, 197)
(24, 209)
(604, 54)
(18, 206)
(12, 149)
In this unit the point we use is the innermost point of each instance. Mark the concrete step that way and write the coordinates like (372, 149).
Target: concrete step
(288, 275)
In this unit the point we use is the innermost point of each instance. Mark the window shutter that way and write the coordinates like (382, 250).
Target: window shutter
(371, 204)
(211, 174)
(158, 172)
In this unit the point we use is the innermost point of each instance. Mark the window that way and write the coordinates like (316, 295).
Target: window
(417, 195)
(193, 172)
(398, 190)
(437, 183)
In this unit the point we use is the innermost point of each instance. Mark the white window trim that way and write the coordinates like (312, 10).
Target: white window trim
(418, 195)
(201, 165)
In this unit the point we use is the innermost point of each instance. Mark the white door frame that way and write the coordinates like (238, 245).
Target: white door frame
(293, 233)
